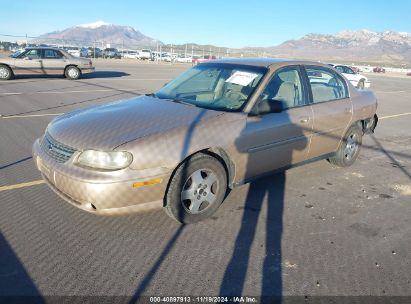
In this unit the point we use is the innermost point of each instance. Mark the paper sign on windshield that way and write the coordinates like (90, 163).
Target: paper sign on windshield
(242, 78)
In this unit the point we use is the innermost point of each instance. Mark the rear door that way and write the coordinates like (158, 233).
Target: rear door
(276, 140)
(332, 109)
(53, 61)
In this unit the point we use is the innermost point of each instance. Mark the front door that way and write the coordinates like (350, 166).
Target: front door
(29, 62)
(276, 140)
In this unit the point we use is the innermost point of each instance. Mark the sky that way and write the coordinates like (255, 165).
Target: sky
(228, 23)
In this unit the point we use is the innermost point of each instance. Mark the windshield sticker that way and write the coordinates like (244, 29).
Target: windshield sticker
(242, 78)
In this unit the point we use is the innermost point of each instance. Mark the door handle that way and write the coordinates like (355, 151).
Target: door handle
(347, 110)
(304, 119)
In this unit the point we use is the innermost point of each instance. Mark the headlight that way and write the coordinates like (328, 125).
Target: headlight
(105, 160)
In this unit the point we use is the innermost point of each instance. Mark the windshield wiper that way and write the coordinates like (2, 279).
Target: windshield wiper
(182, 102)
(151, 95)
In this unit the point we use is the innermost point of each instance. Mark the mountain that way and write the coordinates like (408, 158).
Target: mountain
(99, 32)
(362, 46)
(355, 46)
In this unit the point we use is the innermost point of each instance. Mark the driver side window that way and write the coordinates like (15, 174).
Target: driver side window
(285, 86)
(32, 54)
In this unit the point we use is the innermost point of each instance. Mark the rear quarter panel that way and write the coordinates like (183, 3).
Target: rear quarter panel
(364, 104)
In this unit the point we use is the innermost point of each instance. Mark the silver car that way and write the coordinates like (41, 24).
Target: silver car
(44, 61)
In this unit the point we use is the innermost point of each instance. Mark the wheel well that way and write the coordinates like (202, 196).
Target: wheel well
(368, 125)
(226, 161)
(70, 65)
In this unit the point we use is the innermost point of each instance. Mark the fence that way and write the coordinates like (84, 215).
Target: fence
(12, 43)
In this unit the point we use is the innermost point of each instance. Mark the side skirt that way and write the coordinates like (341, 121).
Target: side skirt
(248, 180)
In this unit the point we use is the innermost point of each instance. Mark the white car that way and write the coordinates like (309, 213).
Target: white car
(130, 55)
(356, 79)
(184, 59)
(77, 52)
(144, 54)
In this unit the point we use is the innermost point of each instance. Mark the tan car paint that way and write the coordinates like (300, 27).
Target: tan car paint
(161, 135)
(46, 66)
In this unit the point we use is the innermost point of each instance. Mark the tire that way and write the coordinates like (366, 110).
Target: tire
(5, 72)
(72, 72)
(196, 190)
(349, 148)
(361, 84)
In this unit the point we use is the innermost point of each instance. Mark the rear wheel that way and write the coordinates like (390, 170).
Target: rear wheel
(5, 72)
(349, 148)
(196, 190)
(72, 73)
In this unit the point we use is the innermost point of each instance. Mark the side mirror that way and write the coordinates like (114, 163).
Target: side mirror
(265, 106)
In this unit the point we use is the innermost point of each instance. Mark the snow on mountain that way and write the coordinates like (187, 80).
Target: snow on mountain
(100, 33)
(94, 25)
(362, 45)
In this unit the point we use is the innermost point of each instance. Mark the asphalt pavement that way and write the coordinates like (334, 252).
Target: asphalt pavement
(314, 230)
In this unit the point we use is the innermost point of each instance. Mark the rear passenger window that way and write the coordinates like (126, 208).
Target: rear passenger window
(326, 85)
(52, 54)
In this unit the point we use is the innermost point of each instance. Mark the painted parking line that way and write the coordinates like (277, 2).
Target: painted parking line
(21, 185)
(28, 116)
(395, 115)
(39, 182)
(390, 92)
(65, 92)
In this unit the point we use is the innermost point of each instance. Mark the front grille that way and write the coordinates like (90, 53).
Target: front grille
(57, 151)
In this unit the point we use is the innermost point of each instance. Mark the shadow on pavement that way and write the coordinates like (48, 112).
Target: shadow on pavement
(16, 286)
(104, 74)
(15, 163)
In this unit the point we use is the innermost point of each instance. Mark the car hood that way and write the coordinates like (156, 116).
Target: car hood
(108, 126)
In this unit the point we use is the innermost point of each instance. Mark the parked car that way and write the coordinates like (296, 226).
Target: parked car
(217, 126)
(93, 52)
(77, 52)
(184, 59)
(111, 53)
(45, 61)
(16, 53)
(203, 59)
(357, 80)
(130, 54)
(144, 54)
(378, 70)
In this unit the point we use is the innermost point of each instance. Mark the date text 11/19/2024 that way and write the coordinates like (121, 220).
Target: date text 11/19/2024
(203, 299)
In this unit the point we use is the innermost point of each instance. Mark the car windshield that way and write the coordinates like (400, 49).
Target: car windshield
(224, 87)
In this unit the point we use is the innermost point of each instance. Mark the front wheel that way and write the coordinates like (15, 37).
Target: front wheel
(72, 73)
(349, 148)
(196, 190)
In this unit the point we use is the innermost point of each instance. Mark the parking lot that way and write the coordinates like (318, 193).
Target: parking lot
(330, 231)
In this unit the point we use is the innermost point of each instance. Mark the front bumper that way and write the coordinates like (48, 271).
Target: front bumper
(101, 192)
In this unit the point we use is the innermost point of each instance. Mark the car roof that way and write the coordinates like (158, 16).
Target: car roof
(264, 62)
(43, 48)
